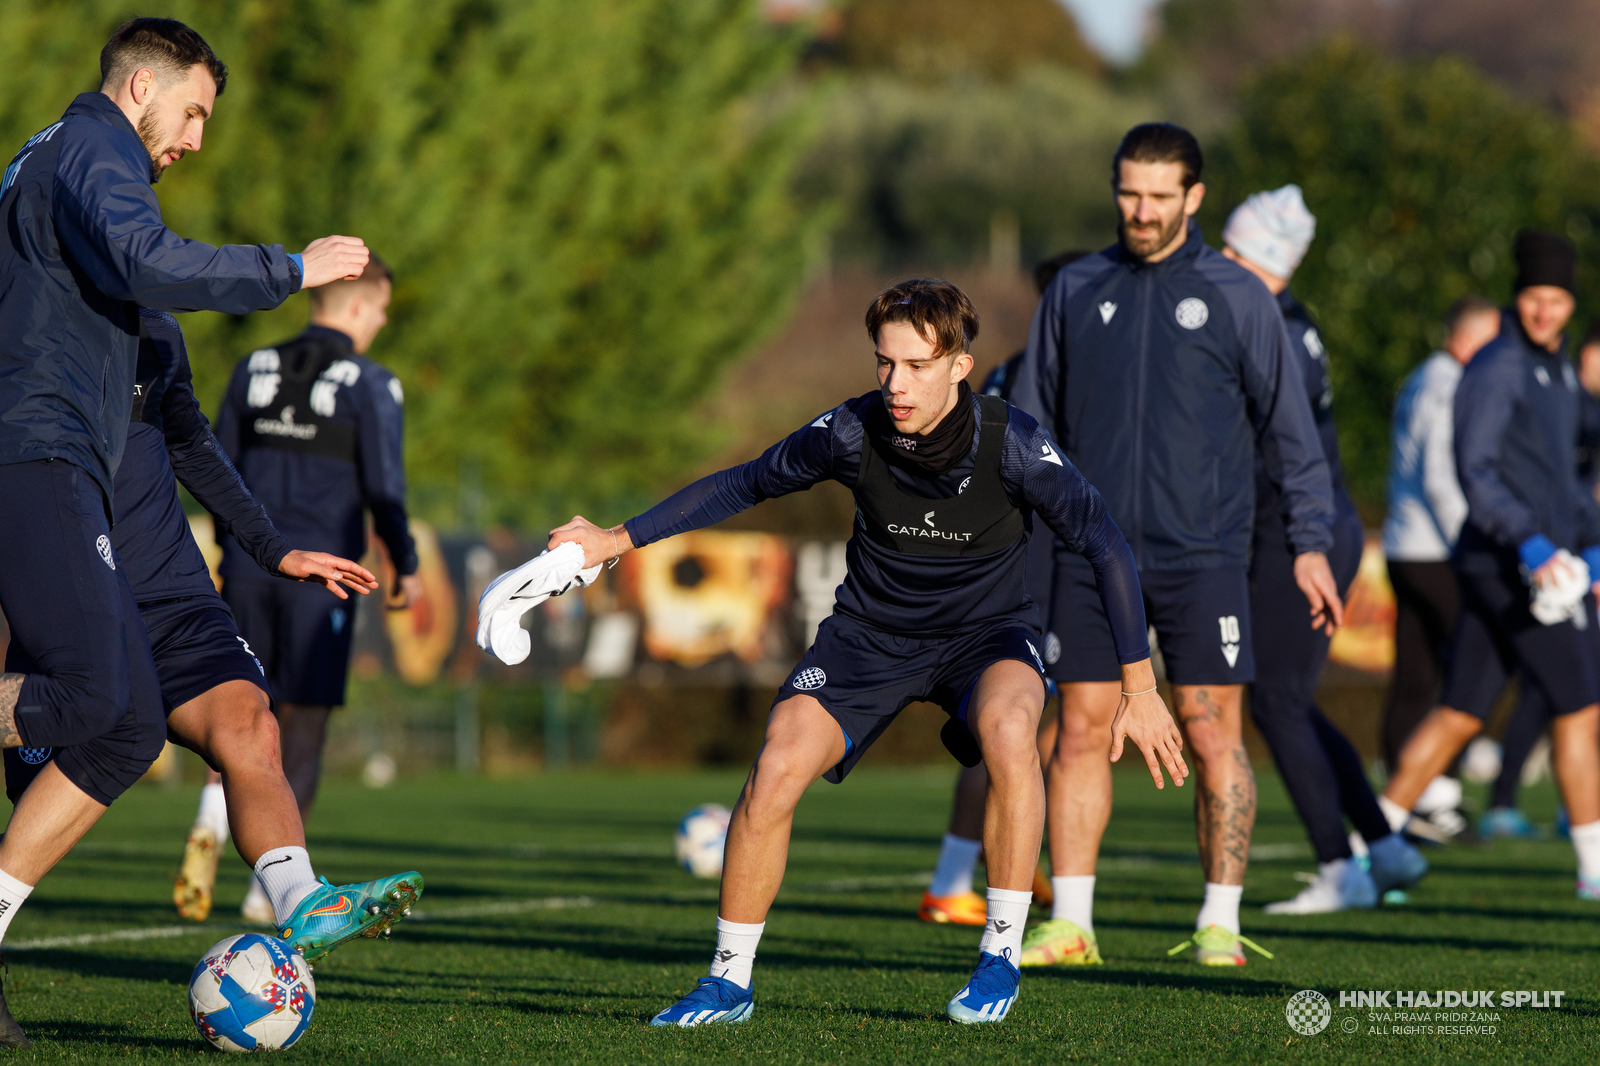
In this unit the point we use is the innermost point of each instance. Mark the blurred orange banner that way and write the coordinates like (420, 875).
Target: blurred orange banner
(1366, 641)
(707, 594)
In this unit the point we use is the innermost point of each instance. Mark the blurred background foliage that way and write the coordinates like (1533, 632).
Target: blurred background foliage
(594, 210)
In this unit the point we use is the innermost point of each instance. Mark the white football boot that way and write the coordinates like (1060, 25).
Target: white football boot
(1340, 885)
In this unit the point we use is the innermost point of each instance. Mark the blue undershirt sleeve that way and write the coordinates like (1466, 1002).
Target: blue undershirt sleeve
(797, 462)
(1037, 475)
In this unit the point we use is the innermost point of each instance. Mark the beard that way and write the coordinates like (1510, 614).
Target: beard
(155, 143)
(1144, 243)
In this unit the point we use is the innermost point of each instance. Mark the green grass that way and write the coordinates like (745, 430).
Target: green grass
(845, 974)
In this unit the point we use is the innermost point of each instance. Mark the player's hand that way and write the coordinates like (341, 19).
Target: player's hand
(1145, 720)
(600, 545)
(328, 570)
(1311, 573)
(1555, 570)
(406, 592)
(333, 259)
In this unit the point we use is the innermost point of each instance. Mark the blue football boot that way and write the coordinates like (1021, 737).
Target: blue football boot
(714, 1001)
(989, 992)
(1506, 823)
(334, 914)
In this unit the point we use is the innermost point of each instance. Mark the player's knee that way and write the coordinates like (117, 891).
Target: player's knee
(1081, 735)
(249, 739)
(780, 775)
(1008, 734)
(1212, 742)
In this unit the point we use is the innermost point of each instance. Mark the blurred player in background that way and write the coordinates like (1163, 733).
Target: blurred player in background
(1268, 235)
(315, 429)
(1528, 555)
(934, 606)
(1159, 365)
(1426, 509)
(950, 897)
(85, 247)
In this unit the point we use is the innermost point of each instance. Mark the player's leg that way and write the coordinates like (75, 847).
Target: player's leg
(950, 897)
(1528, 723)
(1003, 711)
(303, 732)
(802, 742)
(195, 884)
(1575, 756)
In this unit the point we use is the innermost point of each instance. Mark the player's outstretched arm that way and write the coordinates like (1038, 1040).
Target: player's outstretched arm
(600, 545)
(333, 258)
(1143, 718)
(330, 571)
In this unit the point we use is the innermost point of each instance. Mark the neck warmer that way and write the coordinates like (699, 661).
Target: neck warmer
(942, 447)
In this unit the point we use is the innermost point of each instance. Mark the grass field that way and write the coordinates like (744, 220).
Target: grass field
(555, 924)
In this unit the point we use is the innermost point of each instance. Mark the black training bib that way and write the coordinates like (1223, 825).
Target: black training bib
(295, 382)
(980, 520)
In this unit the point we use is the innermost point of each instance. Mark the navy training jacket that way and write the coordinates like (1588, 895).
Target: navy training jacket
(1161, 381)
(84, 248)
(316, 500)
(1306, 342)
(1517, 427)
(170, 441)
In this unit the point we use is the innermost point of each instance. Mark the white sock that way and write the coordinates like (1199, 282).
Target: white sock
(1008, 913)
(1397, 815)
(1221, 907)
(13, 892)
(735, 956)
(1074, 900)
(286, 877)
(1586, 842)
(213, 813)
(957, 857)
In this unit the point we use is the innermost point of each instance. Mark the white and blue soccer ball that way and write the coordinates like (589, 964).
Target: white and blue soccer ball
(252, 993)
(700, 838)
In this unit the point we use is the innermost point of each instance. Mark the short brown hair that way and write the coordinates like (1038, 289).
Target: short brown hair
(1463, 309)
(336, 292)
(939, 312)
(1159, 142)
(165, 46)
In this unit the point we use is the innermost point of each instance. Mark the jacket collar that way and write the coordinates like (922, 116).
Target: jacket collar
(100, 107)
(339, 337)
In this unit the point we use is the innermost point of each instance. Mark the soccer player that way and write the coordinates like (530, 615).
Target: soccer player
(934, 607)
(1268, 235)
(85, 246)
(1528, 519)
(950, 898)
(1426, 509)
(1160, 367)
(210, 681)
(315, 428)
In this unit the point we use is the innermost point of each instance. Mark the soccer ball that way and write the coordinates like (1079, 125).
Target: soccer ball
(700, 838)
(251, 993)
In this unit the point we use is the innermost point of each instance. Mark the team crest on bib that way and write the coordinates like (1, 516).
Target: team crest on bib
(1192, 313)
(35, 756)
(1052, 648)
(103, 546)
(810, 678)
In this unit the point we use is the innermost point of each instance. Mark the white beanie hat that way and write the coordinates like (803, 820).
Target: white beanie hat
(1272, 230)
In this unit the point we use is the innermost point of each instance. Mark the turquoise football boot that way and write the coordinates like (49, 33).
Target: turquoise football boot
(334, 914)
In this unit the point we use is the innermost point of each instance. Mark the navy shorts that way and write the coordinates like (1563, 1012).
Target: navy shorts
(197, 647)
(865, 676)
(1201, 619)
(300, 632)
(1496, 634)
(91, 687)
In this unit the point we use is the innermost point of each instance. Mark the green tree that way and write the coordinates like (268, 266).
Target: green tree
(587, 208)
(1420, 174)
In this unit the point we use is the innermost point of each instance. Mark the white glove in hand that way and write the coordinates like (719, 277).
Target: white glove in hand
(1555, 601)
(516, 592)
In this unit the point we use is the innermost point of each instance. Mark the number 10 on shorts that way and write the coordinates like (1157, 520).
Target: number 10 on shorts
(1229, 624)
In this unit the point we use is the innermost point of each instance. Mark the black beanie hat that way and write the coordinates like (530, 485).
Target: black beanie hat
(1545, 259)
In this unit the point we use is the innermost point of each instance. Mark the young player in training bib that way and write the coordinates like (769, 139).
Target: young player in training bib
(934, 607)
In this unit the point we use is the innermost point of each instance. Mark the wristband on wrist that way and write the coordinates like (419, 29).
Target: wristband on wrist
(1146, 692)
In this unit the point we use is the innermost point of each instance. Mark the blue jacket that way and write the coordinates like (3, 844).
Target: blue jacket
(1306, 342)
(1517, 426)
(1161, 381)
(85, 247)
(317, 499)
(170, 441)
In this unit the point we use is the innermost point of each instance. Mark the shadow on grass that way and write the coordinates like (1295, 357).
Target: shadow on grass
(122, 967)
(108, 1035)
(1187, 982)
